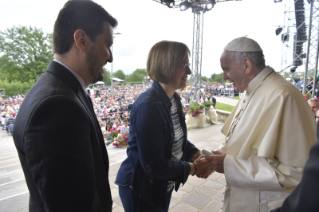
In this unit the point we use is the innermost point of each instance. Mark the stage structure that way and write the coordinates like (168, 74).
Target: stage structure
(300, 37)
(199, 7)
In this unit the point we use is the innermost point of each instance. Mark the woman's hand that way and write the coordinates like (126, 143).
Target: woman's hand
(204, 169)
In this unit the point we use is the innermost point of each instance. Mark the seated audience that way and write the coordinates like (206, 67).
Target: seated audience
(124, 128)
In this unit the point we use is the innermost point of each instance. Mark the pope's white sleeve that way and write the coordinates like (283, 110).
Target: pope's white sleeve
(258, 173)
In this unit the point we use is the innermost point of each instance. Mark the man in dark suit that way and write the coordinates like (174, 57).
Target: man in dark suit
(56, 133)
(305, 196)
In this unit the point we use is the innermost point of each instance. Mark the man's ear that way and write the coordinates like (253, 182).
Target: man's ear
(81, 40)
(248, 65)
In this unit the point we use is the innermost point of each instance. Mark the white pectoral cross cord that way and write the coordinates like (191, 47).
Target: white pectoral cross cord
(241, 112)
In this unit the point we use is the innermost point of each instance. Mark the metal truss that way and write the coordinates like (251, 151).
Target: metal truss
(300, 39)
(198, 8)
(176, 3)
(311, 66)
(197, 49)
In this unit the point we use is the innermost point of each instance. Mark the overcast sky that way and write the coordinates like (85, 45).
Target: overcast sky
(142, 23)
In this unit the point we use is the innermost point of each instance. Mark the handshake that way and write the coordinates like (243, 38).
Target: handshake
(209, 162)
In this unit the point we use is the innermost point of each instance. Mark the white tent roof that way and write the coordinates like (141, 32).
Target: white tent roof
(117, 79)
(99, 83)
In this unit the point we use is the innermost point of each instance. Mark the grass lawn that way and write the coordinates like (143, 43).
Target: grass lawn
(235, 97)
(221, 106)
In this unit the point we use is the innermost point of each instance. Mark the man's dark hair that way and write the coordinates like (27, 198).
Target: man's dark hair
(79, 14)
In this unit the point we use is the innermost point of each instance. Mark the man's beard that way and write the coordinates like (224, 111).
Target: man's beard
(93, 65)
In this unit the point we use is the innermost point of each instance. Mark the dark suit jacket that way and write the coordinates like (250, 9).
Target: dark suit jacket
(305, 197)
(61, 147)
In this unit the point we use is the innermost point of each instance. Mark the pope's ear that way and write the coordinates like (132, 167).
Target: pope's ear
(80, 39)
(248, 65)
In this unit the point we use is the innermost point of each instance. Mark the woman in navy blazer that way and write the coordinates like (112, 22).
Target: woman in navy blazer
(159, 156)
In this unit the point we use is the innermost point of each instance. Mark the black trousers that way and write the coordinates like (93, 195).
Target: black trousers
(133, 203)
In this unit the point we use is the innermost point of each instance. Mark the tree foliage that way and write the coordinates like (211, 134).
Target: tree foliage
(137, 75)
(119, 74)
(217, 77)
(25, 53)
(205, 79)
(106, 77)
(13, 88)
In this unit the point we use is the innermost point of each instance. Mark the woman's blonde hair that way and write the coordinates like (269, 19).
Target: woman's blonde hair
(163, 58)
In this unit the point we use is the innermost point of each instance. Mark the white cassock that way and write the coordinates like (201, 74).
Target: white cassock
(268, 146)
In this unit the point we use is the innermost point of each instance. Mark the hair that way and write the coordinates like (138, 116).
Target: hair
(162, 59)
(257, 58)
(110, 124)
(76, 14)
(313, 100)
(125, 120)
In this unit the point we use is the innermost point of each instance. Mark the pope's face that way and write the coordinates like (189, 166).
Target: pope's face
(234, 72)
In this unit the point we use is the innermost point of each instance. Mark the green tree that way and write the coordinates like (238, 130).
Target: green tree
(217, 77)
(13, 88)
(119, 74)
(141, 71)
(137, 75)
(205, 79)
(26, 53)
(106, 77)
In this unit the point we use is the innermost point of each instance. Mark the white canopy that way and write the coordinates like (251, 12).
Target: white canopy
(99, 83)
(117, 80)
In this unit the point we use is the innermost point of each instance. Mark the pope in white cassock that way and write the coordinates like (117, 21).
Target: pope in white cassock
(268, 134)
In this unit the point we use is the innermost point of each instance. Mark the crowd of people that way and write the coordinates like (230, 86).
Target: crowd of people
(109, 107)
(112, 108)
(9, 108)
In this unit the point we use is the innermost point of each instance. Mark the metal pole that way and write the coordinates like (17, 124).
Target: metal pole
(316, 68)
(112, 76)
(194, 61)
(201, 52)
(308, 50)
(195, 54)
(112, 93)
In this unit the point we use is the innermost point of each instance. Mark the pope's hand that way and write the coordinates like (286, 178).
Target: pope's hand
(203, 168)
(216, 161)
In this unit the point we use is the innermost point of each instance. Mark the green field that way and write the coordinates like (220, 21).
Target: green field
(235, 97)
(221, 106)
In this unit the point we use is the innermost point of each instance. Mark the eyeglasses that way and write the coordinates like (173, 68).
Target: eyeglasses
(186, 65)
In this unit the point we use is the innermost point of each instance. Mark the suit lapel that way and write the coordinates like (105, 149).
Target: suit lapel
(65, 75)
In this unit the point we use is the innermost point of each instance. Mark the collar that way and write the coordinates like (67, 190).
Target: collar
(81, 81)
(163, 96)
(258, 79)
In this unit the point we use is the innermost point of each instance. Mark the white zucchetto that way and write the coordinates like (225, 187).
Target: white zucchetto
(243, 44)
